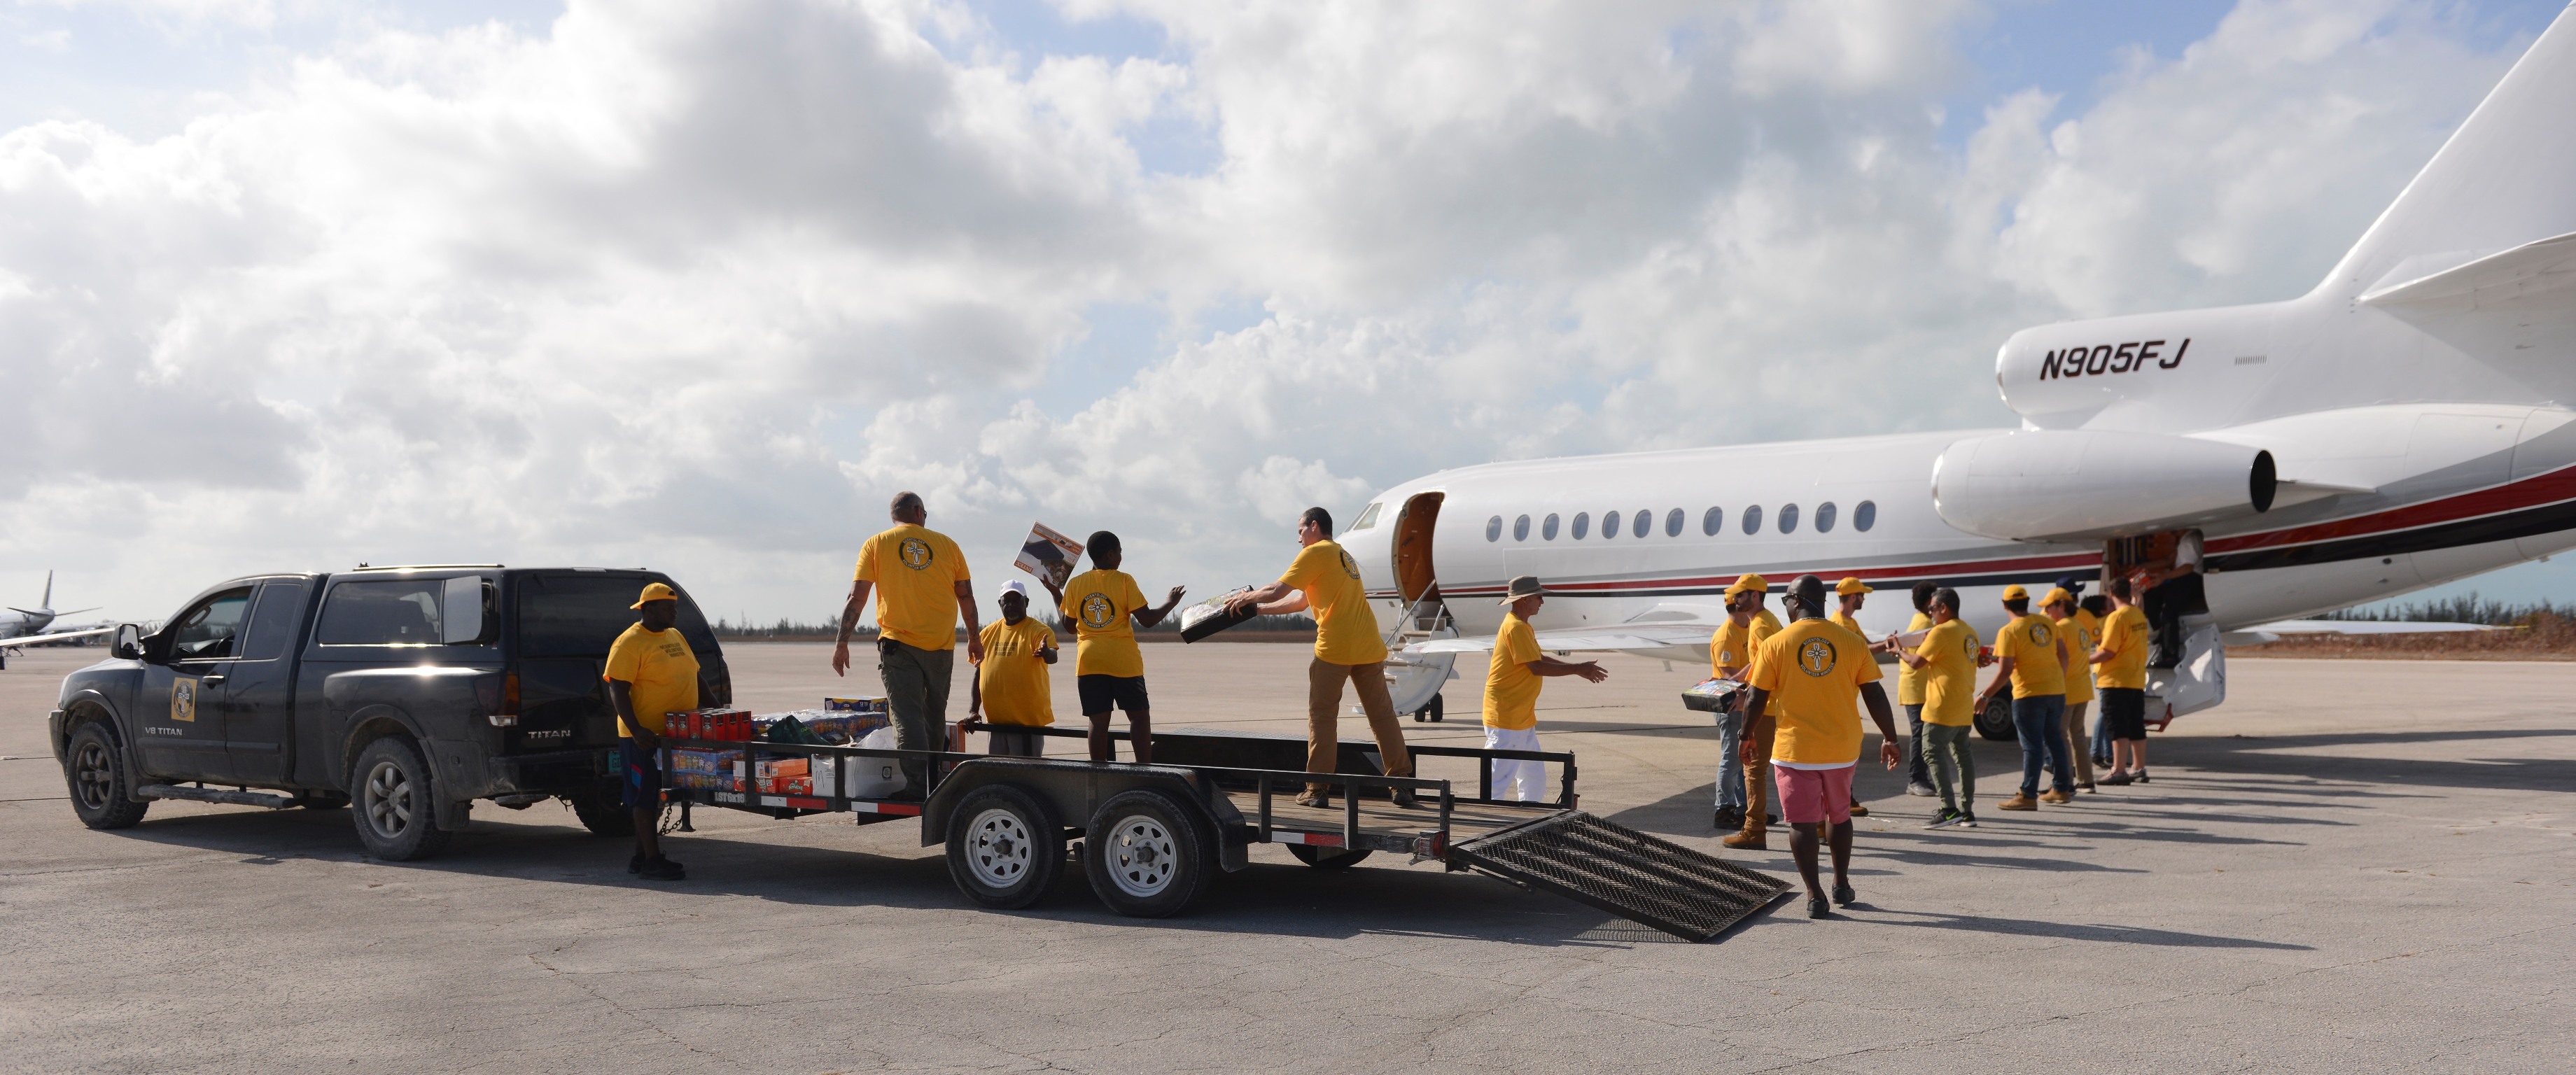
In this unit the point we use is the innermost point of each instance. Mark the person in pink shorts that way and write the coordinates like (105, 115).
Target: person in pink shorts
(1817, 671)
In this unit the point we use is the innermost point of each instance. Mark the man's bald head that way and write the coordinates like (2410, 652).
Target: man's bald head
(906, 508)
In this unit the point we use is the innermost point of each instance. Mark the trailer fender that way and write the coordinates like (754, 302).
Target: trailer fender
(1074, 790)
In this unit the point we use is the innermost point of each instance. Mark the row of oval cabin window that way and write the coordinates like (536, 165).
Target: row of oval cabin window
(1642, 523)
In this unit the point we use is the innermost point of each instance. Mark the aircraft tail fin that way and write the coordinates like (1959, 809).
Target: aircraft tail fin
(48, 602)
(2500, 183)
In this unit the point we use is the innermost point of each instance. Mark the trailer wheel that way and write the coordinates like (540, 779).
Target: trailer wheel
(1149, 856)
(1003, 849)
(397, 802)
(1327, 858)
(1995, 720)
(98, 783)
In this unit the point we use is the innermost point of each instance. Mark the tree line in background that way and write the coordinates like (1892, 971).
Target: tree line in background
(2466, 608)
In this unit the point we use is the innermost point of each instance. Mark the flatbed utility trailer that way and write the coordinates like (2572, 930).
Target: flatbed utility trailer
(1154, 837)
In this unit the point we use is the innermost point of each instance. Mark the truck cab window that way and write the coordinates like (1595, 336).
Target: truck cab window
(210, 630)
(386, 612)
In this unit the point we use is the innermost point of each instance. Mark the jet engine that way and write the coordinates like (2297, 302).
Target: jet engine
(2069, 485)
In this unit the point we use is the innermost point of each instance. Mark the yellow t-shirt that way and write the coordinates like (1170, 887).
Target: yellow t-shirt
(1345, 628)
(1012, 677)
(1909, 683)
(1511, 689)
(1100, 605)
(2079, 647)
(1734, 647)
(1844, 621)
(1949, 682)
(660, 673)
(916, 571)
(1814, 670)
(2125, 635)
(2031, 642)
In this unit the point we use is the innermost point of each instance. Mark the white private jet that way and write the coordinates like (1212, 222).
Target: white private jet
(2402, 425)
(22, 627)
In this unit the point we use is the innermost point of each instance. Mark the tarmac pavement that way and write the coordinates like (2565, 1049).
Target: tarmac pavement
(2351, 866)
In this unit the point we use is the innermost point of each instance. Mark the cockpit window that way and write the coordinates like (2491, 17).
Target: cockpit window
(1368, 518)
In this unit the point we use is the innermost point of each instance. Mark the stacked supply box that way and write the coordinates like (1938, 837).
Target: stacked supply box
(707, 769)
(782, 776)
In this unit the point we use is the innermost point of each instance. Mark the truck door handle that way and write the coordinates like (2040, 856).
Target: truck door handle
(209, 681)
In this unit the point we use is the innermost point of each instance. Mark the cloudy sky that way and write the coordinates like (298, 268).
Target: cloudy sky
(290, 285)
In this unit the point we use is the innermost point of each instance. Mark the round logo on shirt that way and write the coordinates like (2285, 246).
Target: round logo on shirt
(1968, 645)
(915, 553)
(2039, 635)
(1815, 656)
(1097, 613)
(1349, 566)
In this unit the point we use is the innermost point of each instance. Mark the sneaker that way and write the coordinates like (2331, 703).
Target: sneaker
(2055, 797)
(1746, 841)
(635, 862)
(1857, 810)
(1404, 798)
(2118, 780)
(1727, 818)
(1923, 791)
(2101, 761)
(1844, 896)
(2140, 776)
(662, 869)
(2088, 786)
(1317, 799)
(1967, 820)
(1818, 908)
(2018, 802)
(1946, 818)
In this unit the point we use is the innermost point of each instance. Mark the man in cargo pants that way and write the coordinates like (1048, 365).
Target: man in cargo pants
(922, 589)
(651, 673)
(1348, 649)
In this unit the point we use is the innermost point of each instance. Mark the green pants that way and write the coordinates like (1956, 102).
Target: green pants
(1946, 747)
(916, 686)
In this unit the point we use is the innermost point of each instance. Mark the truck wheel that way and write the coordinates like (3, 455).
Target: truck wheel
(397, 812)
(1995, 721)
(603, 813)
(1003, 849)
(1148, 856)
(98, 783)
(1327, 858)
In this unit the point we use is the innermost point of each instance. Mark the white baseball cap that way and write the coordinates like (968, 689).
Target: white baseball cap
(1013, 586)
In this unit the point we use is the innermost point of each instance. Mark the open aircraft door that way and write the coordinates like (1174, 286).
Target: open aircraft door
(1414, 681)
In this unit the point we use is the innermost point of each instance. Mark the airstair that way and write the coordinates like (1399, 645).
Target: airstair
(1413, 681)
(1614, 868)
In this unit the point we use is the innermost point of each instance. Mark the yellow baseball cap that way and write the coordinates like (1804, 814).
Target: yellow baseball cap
(1850, 585)
(1749, 584)
(2057, 595)
(656, 591)
(2014, 592)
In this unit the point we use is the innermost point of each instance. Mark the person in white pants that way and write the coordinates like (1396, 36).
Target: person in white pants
(1511, 692)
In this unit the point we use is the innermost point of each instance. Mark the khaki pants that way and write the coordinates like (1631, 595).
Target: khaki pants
(1323, 716)
(1757, 783)
(2074, 735)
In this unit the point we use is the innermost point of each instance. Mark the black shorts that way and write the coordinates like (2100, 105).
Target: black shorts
(640, 775)
(2124, 712)
(1099, 693)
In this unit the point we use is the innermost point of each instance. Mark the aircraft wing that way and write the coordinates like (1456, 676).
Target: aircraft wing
(56, 636)
(1608, 638)
(2367, 627)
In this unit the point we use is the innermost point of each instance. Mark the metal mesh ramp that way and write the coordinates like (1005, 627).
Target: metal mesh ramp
(1625, 872)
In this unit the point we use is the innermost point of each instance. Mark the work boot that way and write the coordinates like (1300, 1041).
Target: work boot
(2019, 801)
(1727, 817)
(2055, 797)
(1316, 798)
(1753, 838)
(1857, 810)
(1403, 797)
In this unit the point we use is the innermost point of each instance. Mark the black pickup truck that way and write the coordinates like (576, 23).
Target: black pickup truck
(408, 691)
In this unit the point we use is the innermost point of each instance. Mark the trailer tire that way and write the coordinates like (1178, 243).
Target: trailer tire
(1003, 848)
(603, 813)
(397, 801)
(98, 780)
(1148, 856)
(1327, 858)
(1995, 721)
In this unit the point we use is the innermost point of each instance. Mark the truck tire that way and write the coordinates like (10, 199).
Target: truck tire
(1147, 855)
(1995, 721)
(1003, 848)
(397, 801)
(99, 784)
(604, 813)
(1327, 858)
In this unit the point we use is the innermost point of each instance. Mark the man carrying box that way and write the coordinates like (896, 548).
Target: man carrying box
(650, 673)
(1009, 690)
(922, 589)
(1347, 650)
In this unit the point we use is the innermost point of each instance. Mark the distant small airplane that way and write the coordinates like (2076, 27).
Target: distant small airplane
(21, 627)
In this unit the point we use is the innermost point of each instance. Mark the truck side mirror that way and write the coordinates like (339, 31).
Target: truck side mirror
(128, 645)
